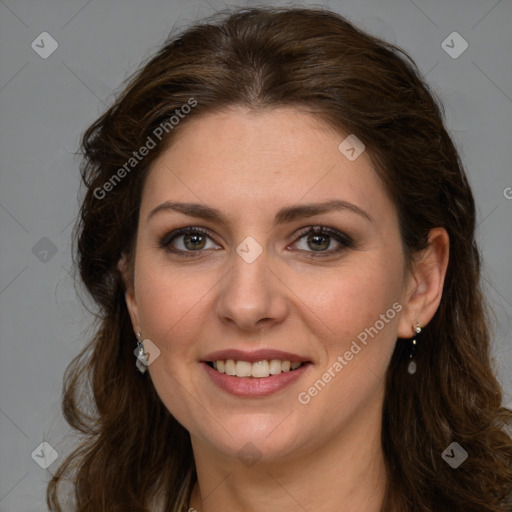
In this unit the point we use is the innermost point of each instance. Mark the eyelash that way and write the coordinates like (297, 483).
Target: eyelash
(344, 240)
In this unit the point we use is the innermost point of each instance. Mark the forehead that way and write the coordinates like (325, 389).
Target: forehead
(246, 160)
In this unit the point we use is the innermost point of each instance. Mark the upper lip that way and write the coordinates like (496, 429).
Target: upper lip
(253, 356)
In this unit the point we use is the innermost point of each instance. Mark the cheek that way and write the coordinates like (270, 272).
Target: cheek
(353, 298)
(172, 316)
(361, 311)
(171, 302)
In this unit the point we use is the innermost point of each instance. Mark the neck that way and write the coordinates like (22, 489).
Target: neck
(346, 473)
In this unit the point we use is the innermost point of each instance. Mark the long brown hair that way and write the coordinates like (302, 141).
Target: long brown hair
(133, 450)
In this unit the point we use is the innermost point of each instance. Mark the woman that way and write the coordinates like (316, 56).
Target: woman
(279, 235)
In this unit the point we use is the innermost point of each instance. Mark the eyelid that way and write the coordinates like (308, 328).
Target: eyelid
(343, 239)
(166, 240)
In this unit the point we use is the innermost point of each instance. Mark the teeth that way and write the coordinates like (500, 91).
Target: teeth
(243, 369)
(260, 369)
(275, 367)
(230, 367)
(257, 369)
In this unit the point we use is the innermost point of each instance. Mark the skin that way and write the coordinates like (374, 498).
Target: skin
(249, 165)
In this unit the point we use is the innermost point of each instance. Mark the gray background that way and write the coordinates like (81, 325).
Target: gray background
(45, 104)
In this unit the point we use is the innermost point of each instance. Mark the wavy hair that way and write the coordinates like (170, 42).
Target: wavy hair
(133, 451)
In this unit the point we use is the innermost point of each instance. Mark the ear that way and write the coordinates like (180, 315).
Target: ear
(425, 283)
(129, 295)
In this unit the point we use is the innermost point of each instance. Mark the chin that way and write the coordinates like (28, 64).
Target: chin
(265, 437)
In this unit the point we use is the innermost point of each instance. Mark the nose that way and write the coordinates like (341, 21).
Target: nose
(251, 296)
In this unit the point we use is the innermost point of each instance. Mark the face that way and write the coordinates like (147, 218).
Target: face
(292, 255)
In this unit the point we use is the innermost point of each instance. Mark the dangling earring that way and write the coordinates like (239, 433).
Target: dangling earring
(141, 361)
(411, 367)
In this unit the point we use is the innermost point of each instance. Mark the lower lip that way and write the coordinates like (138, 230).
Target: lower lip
(253, 386)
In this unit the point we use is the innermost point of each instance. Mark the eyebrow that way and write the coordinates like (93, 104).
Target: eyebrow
(284, 215)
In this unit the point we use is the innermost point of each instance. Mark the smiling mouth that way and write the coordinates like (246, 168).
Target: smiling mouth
(257, 369)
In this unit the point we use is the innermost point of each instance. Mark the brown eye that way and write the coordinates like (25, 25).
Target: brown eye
(194, 241)
(187, 240)
(319, 239)
(318, 242)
